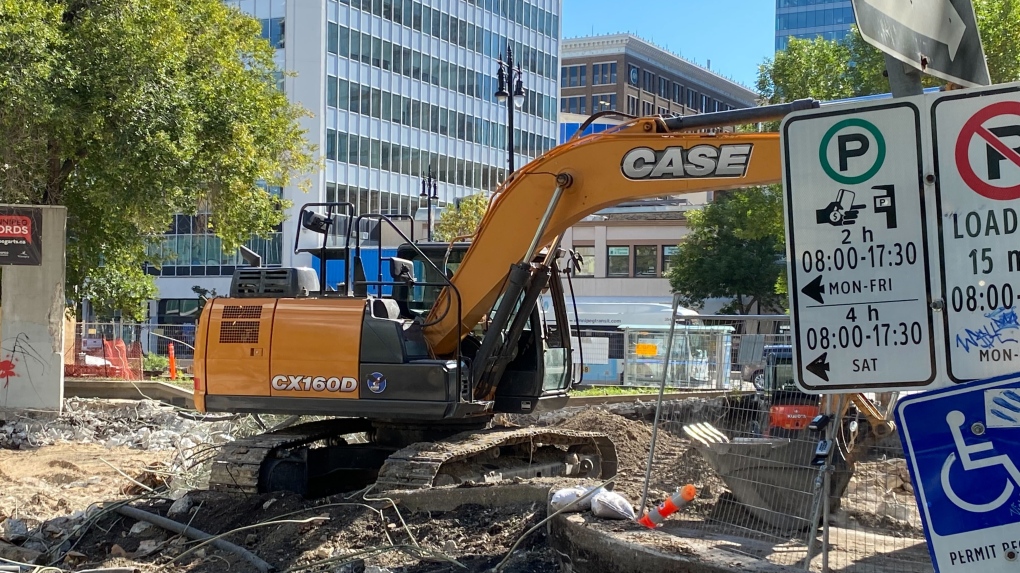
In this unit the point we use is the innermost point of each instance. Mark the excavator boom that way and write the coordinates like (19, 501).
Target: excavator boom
(647, 157)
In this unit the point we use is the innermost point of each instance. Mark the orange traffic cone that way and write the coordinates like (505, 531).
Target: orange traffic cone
(674, 503)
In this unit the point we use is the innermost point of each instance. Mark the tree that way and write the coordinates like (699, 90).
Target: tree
(732, 251)
(999, 23)
(463, 220)
(828, 70)
(129, 111)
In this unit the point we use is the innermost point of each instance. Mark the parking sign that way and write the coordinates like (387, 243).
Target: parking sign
(963, 450)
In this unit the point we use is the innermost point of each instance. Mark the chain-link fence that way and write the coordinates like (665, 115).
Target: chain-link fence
(127, 351)
(764, 475)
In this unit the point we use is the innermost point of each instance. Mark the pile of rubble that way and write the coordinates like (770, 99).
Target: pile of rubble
(145, 424)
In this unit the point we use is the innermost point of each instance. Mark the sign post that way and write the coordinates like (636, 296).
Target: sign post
(858, 248)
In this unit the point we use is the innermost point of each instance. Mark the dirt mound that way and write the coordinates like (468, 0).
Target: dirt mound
(676, 463)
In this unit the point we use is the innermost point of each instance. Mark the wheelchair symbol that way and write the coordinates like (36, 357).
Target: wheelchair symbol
(956, 420)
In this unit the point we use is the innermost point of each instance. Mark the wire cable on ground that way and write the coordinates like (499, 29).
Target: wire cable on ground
(513, 548)
(171, 525)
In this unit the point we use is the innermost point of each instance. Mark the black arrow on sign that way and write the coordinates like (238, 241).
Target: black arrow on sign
(819, 367)
(815, 290)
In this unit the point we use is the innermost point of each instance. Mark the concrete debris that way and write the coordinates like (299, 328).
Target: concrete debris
(180, 508)
(144, 425)
(141, 528)
(13, 530)
(15, 553)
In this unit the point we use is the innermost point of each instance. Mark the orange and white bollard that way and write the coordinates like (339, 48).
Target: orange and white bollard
(673, 504)
(173, 361)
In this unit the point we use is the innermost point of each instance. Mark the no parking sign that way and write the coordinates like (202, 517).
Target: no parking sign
(976, 138)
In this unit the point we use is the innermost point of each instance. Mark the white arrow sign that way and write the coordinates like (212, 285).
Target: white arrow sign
(936, 19)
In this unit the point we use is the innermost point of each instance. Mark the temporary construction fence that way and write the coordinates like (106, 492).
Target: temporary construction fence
(126, 351)
(852, 510)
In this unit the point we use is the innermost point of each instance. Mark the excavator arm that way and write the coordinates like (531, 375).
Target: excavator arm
(646, 157)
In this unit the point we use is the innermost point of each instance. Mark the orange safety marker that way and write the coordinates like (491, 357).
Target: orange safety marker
(173, 361)
(673, 504)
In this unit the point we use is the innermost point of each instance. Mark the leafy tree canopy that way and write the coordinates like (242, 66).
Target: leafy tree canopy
(129, 111)
(462, 220)
(732, 252)
(828, 70)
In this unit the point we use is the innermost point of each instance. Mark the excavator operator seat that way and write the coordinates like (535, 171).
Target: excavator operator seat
(385, 308)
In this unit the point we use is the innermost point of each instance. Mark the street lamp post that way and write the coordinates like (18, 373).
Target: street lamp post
(508, 77)
(429, 190)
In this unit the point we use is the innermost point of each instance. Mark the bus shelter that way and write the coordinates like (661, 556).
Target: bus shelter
(701, 356)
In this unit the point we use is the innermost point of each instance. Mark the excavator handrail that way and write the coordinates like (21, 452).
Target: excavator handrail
(442, 273)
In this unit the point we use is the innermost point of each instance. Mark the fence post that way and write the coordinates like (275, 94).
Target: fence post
(173, 361)
(658, 404)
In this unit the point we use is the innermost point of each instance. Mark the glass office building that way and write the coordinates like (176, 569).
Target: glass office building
(394, 87)
(811, 18)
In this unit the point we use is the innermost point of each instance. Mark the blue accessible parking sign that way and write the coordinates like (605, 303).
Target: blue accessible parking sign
(963, 448)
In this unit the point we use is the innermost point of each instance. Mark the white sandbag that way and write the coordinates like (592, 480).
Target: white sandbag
(611, 505)
(563, 497)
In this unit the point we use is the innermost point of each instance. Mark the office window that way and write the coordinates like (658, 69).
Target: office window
(664, 88)
(602, 74)
(618, 259)
(586, 262)
(667, 257)
(647, 108)
(576, 104)
(648, 81)
(632, 105)
(602, 102)
(678, 93)
(645, 257)
(331, 95)
(272, 30)
(574, 76)
(330, 144)
(332, 37)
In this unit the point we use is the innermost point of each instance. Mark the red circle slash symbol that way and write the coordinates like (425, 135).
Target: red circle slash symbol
(997, 150)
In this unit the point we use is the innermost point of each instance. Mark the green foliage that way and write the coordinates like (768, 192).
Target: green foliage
(731, 252)
(155, 362)
(463, 220)
(999, 23)
(129, 111)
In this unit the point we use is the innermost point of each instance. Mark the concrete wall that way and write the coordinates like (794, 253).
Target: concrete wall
(32, 327)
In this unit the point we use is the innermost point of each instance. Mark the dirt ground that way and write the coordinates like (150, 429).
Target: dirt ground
(56, 491)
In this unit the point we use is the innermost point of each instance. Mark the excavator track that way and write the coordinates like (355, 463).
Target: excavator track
(237, 467)
(417, 465)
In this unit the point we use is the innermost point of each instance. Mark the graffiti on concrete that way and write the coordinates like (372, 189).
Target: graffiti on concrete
(18, 359)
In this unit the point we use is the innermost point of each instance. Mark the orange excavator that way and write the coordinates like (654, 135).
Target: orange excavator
(409, 373)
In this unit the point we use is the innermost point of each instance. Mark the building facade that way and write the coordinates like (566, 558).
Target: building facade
(394, 87)
(625, 73)
(808, 19)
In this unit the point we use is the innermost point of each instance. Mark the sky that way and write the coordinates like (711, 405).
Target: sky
(736, 35)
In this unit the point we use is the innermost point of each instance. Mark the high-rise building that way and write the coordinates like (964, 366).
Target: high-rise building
(394, 87)
(811, 18)
(625, 73)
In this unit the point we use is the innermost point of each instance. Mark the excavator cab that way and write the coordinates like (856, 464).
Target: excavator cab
(538, 373)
